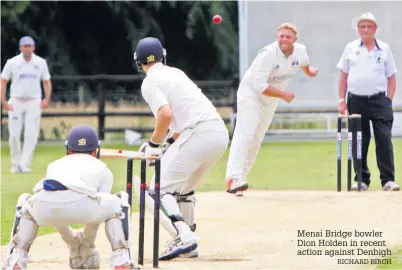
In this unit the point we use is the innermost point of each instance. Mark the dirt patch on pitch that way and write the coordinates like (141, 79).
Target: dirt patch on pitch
(260, 231)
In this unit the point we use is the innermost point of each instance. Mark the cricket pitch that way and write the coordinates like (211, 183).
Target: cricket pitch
(258, 231)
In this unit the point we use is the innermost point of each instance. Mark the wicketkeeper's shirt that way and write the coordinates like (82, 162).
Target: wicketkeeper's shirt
(26, 76)
(166, 85)
(367, 71)
(81, 173)
(272, 67)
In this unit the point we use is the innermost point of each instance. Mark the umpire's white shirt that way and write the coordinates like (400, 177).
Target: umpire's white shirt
(271, 67)
(367, 70)
(81, 173)
(166, 85)
(26, 76)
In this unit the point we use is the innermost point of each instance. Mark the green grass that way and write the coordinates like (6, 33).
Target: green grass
(396, 260)
(279, 166)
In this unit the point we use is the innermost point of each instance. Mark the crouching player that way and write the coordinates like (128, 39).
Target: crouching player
(76, 190)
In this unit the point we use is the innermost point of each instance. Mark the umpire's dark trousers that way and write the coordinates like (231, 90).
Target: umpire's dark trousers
(377, 109)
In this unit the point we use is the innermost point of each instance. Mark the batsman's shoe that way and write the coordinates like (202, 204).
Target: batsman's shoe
(177, 247)
(236, 184)
(355, 187)
(191, 254)
(391, 186)
(120, 259)
(16, 260)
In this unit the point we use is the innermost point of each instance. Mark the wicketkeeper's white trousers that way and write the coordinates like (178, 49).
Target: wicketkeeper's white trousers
(62, 208)
(252, 122)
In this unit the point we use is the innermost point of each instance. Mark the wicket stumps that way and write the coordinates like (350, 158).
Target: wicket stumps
(156, 197)
(354, 138)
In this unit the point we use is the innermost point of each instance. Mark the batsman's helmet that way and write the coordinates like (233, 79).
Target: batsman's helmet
(149, 50)
(83, 138)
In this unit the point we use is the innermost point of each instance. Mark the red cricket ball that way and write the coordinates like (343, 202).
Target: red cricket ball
(120, 151)
(217, 19)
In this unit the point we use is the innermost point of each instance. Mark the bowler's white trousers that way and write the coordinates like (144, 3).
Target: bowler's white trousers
(27, 114)
(252, 122)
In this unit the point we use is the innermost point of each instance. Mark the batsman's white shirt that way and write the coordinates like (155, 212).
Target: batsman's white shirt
(255, 110)
(26, 76)
(203, 135)
(168, 85)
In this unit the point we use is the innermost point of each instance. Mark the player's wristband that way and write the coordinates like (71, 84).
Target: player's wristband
(154, 145)
(170, 140)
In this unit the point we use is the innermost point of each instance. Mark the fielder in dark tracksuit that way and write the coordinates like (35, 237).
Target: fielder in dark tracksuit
(368, 76)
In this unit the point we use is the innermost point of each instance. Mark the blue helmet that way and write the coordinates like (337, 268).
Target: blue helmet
(82, 138)
(149, 50)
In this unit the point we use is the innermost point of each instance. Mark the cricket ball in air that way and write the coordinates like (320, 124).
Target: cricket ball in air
(217, 19)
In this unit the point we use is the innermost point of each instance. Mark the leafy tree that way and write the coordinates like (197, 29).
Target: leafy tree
(100, 37)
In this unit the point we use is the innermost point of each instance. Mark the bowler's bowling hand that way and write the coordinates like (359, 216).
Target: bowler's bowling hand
(44, 103)
(288, 96)
(150, 150)
(313, 71)
(7, 106)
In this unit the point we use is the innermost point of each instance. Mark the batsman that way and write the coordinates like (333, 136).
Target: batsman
(198, 138)
(75, 190)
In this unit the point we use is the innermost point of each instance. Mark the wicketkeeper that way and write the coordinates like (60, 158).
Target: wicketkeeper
(75, 190)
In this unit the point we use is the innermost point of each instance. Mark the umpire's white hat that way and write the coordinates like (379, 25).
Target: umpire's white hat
(368, 16)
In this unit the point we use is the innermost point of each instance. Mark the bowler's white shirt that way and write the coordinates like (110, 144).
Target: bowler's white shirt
(166, 85)
(367, 70)
(26, 76)
(82, 173)
(272, 67)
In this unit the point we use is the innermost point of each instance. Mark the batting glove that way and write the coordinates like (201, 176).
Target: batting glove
(151, 149)
(164, 148)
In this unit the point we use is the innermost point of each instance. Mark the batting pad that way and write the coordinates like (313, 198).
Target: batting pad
(149, 206)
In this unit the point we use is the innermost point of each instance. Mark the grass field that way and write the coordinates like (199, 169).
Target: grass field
(287, 165)
(396, 260)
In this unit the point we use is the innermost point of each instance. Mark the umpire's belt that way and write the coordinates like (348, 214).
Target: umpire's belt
(53, 185)
(373, 96)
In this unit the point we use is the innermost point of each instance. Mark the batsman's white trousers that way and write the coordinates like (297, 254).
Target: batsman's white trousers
(63, 208)
(25, 114)
(191, 156)
(252, 122)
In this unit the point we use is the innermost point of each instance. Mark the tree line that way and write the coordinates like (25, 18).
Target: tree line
(85, 38)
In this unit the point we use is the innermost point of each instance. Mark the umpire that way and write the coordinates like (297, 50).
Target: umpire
(368, 75)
